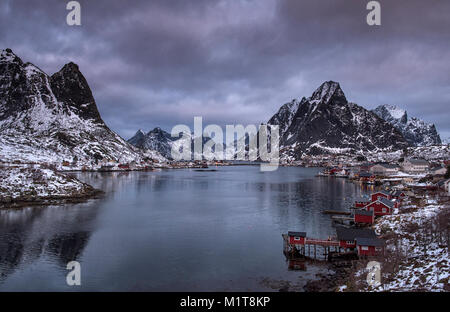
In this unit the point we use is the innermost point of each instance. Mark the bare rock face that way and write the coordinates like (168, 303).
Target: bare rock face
(416, 131)
(53, 118)
(327, 123)
(70, 86)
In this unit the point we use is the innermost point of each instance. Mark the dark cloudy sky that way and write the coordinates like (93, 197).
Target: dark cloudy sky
(159, 63)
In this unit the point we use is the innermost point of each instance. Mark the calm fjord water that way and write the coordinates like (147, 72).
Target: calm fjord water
(172, 230)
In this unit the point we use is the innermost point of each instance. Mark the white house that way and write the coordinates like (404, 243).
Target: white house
(415, 165)
(384, 169)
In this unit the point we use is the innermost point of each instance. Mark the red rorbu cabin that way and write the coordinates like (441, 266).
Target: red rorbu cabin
(381, 207)
(297, 238)
(364, 216)
(379, 194)
(124, 166)
(360, 202)
(369, 246)
(347, 236)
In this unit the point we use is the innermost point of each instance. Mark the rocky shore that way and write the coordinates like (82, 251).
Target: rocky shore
(37, 185)
(330, 282)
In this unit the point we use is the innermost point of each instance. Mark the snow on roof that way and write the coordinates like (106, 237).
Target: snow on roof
(386, 202)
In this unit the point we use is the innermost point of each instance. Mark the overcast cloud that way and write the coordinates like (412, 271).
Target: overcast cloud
(160, 63)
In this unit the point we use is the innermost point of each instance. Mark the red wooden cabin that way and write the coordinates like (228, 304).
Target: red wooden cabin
(379, 194)
(124, 166)
(347, 236)
(364, 217)
(381, 207)
(360, 202)
(369, 246)
(297, 238)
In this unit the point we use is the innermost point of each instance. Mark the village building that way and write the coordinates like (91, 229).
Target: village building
(347, 236)
(415, 165)
(365, 167)
(444, 185)
(366, 176)
(377, 195)
(296, 238)
(364, 217)
(384, 169)
(397, 195)
(360, 202)
(382, 206)
(368, 247)
(439, 171)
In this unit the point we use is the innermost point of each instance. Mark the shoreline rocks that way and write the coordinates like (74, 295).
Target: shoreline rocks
(24, 186)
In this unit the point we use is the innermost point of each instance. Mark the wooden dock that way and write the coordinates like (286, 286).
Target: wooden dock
(310, 248)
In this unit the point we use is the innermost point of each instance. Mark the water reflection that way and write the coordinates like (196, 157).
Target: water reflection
(174, 230)
(29, 234)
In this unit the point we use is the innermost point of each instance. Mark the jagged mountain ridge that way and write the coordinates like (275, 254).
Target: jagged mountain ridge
(327, 123)
(163, 142)
(156, 139)
(53, 118)
(415, 131)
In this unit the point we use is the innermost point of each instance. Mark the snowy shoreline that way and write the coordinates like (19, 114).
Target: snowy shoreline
(22, 185)
(417, 257)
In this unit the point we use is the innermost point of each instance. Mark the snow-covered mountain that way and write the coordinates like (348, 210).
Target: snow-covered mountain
(54, 118)
(415, 131)
(156, 139)
(162, 141)
(327, 123)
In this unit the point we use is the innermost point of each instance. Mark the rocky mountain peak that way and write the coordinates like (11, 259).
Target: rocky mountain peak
(140, 132)
(327, 123)
(416, 131)
(157, 130)
(327, 91)
(55, 118)
(70, 87)
(8, 56)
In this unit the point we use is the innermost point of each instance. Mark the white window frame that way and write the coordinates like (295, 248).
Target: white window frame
(365, 248)
(297, 238)
(378, 248)
(350, 242)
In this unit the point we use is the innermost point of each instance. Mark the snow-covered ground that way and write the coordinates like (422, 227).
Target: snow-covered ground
(20, 183)
(416, 242)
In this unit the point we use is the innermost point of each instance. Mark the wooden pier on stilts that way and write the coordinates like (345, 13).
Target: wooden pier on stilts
(309, 247)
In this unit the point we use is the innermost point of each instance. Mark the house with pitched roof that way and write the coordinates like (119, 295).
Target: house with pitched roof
(384, 169)
(347, 236)
(382, 206)
(415, 165)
